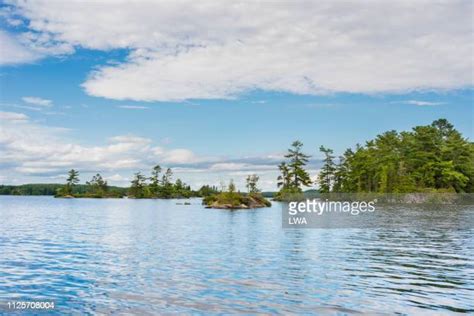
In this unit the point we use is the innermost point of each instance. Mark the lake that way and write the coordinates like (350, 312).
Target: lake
(154, 256)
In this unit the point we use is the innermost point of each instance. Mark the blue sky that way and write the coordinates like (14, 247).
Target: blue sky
(216, 106)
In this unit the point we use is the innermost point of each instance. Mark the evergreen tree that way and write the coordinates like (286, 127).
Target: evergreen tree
(297, 162)
(167, 186)
(327, 173)
(284, 179)
(293, 175)
(71, 181)
(155, 180)
(137, 188)
(97, 185)
(432, 157)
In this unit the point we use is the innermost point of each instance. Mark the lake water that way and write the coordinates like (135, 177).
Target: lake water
(154, 256)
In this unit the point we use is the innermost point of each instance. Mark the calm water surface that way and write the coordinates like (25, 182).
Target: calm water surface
(154, 256)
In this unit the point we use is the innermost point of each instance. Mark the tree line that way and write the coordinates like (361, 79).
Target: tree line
(428, 158)
(434, 157)
(158, 185)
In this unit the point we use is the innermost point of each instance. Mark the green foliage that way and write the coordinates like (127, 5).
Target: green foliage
(231, 199)
(30, 189)
(158, 188)
(251, 185)
(155, 180)
(288, 193)
(207, 190)
(71, 181)
(429, 158)
(98, 185)
(284, 179)
(137, 189)
(231, 187)
(293, 175)
(326, 176)
(432, 157)
(297, 161)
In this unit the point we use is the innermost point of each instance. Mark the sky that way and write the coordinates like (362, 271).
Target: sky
(218, 90)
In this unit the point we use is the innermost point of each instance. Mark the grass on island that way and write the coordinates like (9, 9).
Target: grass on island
(231, 199)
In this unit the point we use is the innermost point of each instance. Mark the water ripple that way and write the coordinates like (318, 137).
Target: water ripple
(153, 257)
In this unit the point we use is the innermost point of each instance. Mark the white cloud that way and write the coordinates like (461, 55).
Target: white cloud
(12, 52)
(246, 168)
(179, 156)
(30, 152)
(44, 44)
(116, 178)
(130, 139)
(133, 107)
(30, 148)
(227, 166)
(13, 116)
(37, 101)
(212, 50)
(422, 103)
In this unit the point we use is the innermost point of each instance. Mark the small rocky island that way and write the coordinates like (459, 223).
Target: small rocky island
(231, 199)
(236, 201)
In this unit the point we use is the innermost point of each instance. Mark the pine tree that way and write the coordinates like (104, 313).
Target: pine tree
(155, 180)
(71, 181)
(137, 188)
(284, 179)
(327, 173)
(431, 157)
(297, 162)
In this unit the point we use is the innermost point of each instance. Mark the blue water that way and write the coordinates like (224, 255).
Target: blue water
(154, 256)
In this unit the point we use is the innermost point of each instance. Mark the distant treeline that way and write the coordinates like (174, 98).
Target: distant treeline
(48, 189)
(158, 186)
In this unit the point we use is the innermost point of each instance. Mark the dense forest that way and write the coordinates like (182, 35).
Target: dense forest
(431, 158)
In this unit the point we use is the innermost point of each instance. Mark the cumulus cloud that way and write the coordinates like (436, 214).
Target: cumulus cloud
(248, 167)
(31, 148)
(33, 152)
(215, 50)
(12, 52)
(179, 156)
(37, 101)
